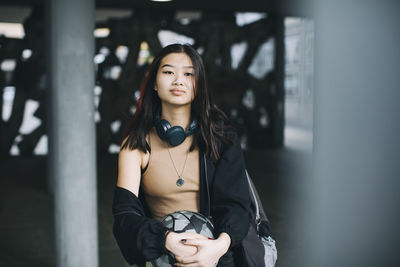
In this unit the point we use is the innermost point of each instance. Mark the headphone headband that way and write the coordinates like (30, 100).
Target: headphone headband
(174, 135)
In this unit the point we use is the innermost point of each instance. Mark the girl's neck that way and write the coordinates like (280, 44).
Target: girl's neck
(176, 116)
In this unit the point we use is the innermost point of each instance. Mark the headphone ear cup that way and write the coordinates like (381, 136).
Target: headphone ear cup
(162, 128)
(175, 135)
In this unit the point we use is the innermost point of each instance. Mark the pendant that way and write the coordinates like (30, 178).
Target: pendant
(180, 182)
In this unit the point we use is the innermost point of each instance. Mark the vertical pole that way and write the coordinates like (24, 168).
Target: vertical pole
(73, 154)
(49, 107)
(353, 198)
(279, 116)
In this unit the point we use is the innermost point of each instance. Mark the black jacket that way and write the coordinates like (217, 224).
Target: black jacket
(141, 238)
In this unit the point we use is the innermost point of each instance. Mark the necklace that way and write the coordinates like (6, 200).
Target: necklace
(180, 182)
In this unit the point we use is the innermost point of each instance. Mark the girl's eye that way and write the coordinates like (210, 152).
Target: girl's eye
(167, 72)
(188, 74)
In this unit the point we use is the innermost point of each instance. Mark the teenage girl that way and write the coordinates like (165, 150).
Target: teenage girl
(180, 153)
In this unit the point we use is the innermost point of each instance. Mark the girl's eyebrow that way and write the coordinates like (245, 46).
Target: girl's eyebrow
(168, 65)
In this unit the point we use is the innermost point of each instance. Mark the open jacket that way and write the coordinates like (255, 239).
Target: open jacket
(226, 199)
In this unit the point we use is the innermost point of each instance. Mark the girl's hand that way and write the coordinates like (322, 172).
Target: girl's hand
(208, 252)
(174, 244)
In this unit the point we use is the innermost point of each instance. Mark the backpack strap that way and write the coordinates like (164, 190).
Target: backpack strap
(253, 193)
(260, 215)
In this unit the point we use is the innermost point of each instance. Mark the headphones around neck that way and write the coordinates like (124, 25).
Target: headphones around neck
(172, 135)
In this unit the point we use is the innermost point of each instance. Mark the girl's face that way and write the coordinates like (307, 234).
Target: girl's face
(175, 79)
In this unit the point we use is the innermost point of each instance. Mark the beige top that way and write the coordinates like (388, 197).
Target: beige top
(162, 194)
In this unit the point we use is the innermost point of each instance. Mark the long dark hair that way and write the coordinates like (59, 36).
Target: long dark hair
(212, 122)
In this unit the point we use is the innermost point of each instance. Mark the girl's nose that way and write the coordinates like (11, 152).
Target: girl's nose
(178, 80)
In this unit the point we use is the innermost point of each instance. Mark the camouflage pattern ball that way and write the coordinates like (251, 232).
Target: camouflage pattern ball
(180, 222)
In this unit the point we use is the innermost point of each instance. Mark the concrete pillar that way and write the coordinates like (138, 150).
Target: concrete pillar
(279, 112)
(352, 212)
(72, 153)
(49, 106)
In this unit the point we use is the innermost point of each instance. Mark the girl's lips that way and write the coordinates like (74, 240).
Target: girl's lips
(177, 92)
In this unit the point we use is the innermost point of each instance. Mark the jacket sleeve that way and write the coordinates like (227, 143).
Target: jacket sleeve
(230, 194)
(139, 238)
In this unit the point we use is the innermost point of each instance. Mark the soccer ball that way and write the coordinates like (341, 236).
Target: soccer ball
(180, 222)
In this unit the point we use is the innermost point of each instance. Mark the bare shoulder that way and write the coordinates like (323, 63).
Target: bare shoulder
(130, 162)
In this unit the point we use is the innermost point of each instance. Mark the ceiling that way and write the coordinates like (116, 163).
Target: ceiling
(17, 10)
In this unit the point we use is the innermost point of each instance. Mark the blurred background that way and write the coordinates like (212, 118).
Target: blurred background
(312, 87)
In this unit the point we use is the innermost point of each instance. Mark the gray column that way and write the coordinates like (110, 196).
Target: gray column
(352, 212)
(72, 153)
(49, 106)
(279, 116)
